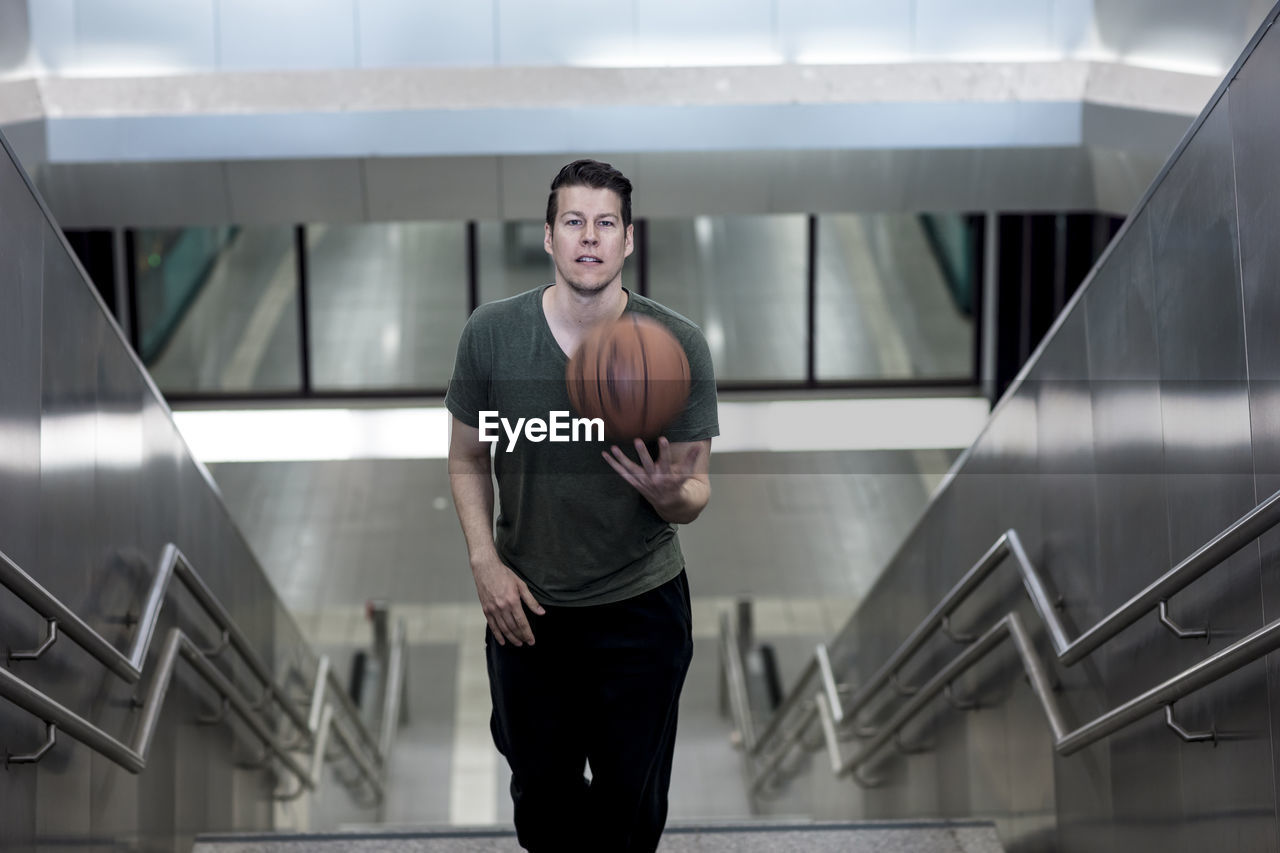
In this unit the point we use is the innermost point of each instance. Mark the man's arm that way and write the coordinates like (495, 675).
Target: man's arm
(677, 485)
(500, 590)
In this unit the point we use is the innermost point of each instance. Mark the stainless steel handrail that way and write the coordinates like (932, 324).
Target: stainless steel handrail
(1201, 674)
(132, 756)
(735, 675)
(771, 748)
(129, 667)
(393, 691)
(369, 759)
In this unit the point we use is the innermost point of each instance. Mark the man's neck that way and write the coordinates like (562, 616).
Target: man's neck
(572, 315)
(573, 310)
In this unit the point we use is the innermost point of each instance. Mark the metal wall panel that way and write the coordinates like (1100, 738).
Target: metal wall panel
(286, 34)
(1255, 127)
(671, 182)
(524, 182)
(123, 572)
(53, 32)
(27, 139)
(1070, 557)
(271, 191)
(1120, 178)
(1132, 131)
(15, 34)
(988, 28)
(67, 564)
(550, 33)
(128, 36)
(22, 247)
(1205, 412)
(1073, 30)
(94, 480)
(1127, 446)
(837, 31)
(710, 32)
(403, 33)
(137, 194)
(455, 188)
(668, 184)
(1178, 33)
(1146, 424)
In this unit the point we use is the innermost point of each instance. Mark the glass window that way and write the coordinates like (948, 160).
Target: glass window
(511, 258)
(218, 308)
(743, 280)
(894, 297)
(386, 302)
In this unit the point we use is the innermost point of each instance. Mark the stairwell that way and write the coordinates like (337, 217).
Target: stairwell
(878, 837)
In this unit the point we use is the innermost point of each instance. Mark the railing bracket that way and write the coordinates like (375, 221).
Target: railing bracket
(262, 762)
(902, 689)
(866, 781)
(221, 646)
(262, 712)
(960, 704)
(1177, 630)
(955, 636)
(51, 738)
(50, 637)
(1189, 737)
(909, 748)
(216, 717)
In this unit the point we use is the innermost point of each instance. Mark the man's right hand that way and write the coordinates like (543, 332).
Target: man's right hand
(502, 596)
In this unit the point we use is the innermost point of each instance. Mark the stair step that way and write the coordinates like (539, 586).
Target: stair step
(879, 837)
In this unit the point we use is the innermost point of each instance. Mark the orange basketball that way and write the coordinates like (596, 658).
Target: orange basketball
(633, 374)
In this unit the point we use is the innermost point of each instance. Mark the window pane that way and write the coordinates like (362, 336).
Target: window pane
(218, 308)
(387, 303)
(742, 279)
(887, 307)
(511, 258)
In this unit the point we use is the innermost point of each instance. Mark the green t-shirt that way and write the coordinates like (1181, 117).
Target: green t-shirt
(568, 524)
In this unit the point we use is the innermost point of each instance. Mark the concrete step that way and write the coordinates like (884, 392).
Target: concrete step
(880, 837)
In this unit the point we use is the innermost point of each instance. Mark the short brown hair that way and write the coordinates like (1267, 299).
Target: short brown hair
(597, 176)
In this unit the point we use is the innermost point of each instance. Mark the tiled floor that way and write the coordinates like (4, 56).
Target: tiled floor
(802, 534)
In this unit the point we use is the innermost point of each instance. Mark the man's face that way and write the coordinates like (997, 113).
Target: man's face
(588, 242)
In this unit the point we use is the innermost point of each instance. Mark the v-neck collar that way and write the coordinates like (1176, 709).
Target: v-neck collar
(550, 336)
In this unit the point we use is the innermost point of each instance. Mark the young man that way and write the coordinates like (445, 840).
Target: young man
(583, 584)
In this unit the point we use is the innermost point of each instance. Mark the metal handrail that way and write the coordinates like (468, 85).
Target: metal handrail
(735, 675)
(1239, 654)
(132, 757)
(775, 743)
(393, 690)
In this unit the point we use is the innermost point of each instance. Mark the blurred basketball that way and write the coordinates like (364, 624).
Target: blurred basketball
(633, 374)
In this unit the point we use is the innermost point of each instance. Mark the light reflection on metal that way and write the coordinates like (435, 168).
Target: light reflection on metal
(777, 740)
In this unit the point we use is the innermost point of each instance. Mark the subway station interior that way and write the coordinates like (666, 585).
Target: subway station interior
(989, 563)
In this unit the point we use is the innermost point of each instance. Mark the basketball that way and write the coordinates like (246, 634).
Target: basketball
(633, 374)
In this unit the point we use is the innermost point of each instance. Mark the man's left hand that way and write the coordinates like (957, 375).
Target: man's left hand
(676, 484)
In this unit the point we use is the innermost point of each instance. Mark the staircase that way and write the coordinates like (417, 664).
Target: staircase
(879, 837)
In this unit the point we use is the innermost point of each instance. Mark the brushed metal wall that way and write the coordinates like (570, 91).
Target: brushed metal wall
(94, 481)
(1148, 422)
(270, 192)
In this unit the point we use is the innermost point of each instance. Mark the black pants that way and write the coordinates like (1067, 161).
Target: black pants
(600, 685)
